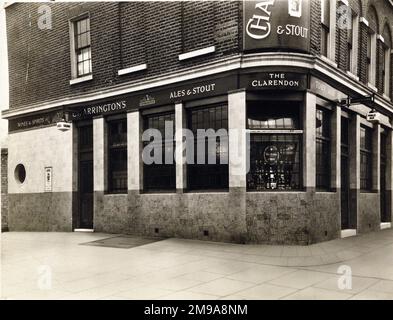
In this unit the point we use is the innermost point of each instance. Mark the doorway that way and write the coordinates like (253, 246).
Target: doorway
(385, 218)
(85, 175)
(346, 222)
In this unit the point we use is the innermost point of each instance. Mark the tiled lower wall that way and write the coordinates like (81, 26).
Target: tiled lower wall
(292, 218)
(369, 218)
(236, 216)
(297, 218)
(4, 189)
(173, 215)
(40, 212)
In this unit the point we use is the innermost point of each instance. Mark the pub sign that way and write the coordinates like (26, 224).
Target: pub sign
(277, 24)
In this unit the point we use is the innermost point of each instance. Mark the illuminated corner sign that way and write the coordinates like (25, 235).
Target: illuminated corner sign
(373, 116)
(63, 126)
(281, 24)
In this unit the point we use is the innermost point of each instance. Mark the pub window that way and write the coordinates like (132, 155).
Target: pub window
(365, 159)
(344, 137)
(81, 54)
(160, 176)
(386, 70)
(323, 137)
(117, 156)
(371, 57)
(325, 27)
(205, 175)
(353, 44)
(350, 41)
(275, 146)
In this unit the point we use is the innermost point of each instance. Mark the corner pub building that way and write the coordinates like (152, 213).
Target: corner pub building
(308, 81)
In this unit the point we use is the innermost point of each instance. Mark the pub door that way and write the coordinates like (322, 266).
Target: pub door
(346, 222)
(384, 212)
(85, 185)
(345, 212)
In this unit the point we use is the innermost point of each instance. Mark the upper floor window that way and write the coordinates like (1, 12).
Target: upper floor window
(325, 30)
(352, 42)
(387, 61)
(386, 70)
(372, 28)
(81, 48)
(371, 57)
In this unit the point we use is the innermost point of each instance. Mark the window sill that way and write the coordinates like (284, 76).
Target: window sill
(329, 61)
(372, 87)
(386, 225)
(81, 79)
(157, 192)
(277, 191)
(132, 69)
(387, 97)
(197, 53)
(353, 76)
(364, 21)
(221, 191)
(116, 193)
(321, 191)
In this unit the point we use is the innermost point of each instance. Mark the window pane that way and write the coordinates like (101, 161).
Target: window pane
(323, 149)
(365, 159)
(273, 115)
(80, 68)
(274, 162)
(161, 176)
(83, 42)
(86, 67)
(83, 26)
(325, 14)
(205, 176)
(117, 143)
(78, 27)
(344, 131)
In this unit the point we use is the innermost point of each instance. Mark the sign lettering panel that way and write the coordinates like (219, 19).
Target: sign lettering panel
(280, 24)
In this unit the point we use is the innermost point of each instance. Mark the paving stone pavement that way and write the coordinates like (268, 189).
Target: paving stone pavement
(56, 266)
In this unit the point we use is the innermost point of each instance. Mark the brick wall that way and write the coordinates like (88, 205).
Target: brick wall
(4, 189)
(131, 33)
(122, 35)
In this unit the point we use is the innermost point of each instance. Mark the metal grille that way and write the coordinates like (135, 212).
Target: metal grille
(117, 169)
(365, 159)
(275, 162)
(323, 136)
(209, 176)
(161, 176)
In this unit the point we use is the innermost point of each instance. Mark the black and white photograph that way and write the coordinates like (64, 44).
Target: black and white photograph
(217, 152)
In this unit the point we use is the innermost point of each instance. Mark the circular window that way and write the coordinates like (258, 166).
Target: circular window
(20, 173)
